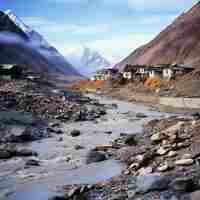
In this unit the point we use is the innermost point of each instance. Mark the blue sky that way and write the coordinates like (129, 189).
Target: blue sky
(113, 27)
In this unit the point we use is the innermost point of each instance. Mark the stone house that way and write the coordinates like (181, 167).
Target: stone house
(165, 71)
(104, 74)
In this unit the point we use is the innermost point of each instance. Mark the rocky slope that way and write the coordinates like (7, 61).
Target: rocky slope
(178, 43)
(88, 61)
(21, 45)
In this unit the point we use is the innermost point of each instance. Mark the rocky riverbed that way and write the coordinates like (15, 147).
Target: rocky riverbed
(40, 154)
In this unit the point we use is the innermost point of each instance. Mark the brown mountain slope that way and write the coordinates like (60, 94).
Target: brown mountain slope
(178, 43)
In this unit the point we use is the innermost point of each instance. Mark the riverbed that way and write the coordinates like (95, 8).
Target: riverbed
(62, 164)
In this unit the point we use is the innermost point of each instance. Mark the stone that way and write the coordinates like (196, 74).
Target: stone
(184, 162)
(196, 115)
(26, 153)
(108, 132)
(163, 167)
(172, 154)
(185, 184)
(95, 156)
(151, 182)
(173, 129)
(161, 151)
(130, 140)
(157, 137)
(75, 133)
(78, 147)
(187, 156)
(141, 115)
(145, 171)
(5, 154)
(32, 162)
(134, 166)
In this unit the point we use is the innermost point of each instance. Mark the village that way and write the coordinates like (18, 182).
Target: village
(142, 72)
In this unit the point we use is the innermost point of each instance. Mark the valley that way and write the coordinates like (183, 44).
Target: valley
(73, 126)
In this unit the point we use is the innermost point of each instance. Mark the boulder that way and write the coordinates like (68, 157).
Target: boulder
(151, 182)
(157, 137)
(141, 115)
(75, 133)
(130, 140)
(5, 154)
(185, 184)
(25, 153)
(95, 156)
(184, 162)
(32, 162)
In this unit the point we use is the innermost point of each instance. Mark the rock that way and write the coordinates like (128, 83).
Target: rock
(172, 154)
(58, 198)
(60, 139)
(187, 156)
(108, 132)
(163, 167)
(29, 134)
(95, 156)
(161, 151)
(195, 195)
(26, 153)
(196, 115)
(145, 171)
(103, 147)
(78, 147)
(5, 154)
(141, 115)
(74, 191)
(173, 129)
(130, 140)
(75, 133)
(151, 182)
(54, 124)
(157, 137)
(184, 184)
(32, 162)
(184, 162)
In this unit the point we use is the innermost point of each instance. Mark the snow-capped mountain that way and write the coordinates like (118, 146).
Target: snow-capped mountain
(88, 61)
(18, 22)
(20, 44)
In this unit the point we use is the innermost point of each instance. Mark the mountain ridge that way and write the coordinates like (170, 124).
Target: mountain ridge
(177, 43)
(87, 60)
(26, 47)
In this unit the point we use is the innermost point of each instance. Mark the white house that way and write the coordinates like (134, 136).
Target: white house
(127, 75)
(168, 73)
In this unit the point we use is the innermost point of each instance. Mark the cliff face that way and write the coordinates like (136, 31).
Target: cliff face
(178, 43)
(22, 45)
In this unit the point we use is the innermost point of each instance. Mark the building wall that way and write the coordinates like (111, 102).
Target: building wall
(127, 75)
(167, 74)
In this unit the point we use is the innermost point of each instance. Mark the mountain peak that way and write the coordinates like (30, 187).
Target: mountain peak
(88, 60)
(18, 22)
(178, 43)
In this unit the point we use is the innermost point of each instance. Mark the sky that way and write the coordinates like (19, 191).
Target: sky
(113, 27)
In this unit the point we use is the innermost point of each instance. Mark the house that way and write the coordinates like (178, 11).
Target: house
(10, 71)
(104, 74)
(164, 71)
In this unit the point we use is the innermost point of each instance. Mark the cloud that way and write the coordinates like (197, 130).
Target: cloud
(158, 5)
(113, 48)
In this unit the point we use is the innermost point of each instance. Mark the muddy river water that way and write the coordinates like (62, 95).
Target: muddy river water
(61, 164)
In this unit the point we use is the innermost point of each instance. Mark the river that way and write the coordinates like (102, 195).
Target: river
(62, 164)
